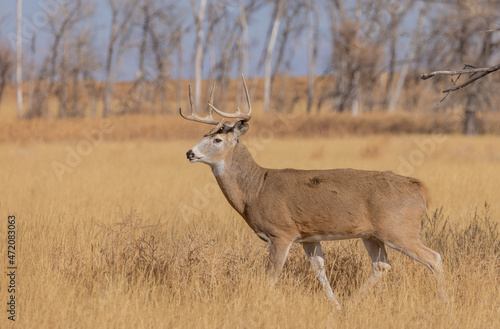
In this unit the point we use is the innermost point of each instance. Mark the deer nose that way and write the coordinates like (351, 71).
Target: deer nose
(190, 154)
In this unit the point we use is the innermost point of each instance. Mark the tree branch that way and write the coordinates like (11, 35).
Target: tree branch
(473, 77)
(474, 70)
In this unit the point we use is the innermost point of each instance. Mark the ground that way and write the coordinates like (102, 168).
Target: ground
(129, 234)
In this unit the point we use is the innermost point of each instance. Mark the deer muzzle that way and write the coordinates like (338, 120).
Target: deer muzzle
(190, 155)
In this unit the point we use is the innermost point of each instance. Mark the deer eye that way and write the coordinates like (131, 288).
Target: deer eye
(217, 140)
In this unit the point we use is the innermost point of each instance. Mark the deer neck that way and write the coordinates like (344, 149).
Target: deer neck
(241, 178)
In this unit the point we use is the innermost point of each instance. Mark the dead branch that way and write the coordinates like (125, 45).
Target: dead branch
(472, 71)
(466, 71)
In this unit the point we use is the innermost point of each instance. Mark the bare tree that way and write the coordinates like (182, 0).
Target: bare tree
(120, 31)
(63, 68)
(138, 88)
(225, 39)
(366, 39)
(82, 65)
(273, 34)
(32, 73)
(180, 61)
(223, 34)
(246, 12)
(6, 68)
(312, 27)
(244, 44)
(77, 61)
(290, 30)
(229, 31)
(467, 22)
(368, 68)
(393, 93)
(199, 17)
(48, 76)
(161, 30)
(7, 62)
(19, 70)
(349, 57)
(396, 12)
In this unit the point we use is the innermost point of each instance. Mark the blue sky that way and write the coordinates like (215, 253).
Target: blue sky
(33, 13)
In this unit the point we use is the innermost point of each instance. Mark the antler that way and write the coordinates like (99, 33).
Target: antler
(209, 118)
(195, 117)
(240, 115)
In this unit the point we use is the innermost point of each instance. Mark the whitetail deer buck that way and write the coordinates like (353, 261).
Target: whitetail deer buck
(284, 206)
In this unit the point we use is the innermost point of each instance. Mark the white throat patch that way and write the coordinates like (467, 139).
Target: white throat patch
(219, 168)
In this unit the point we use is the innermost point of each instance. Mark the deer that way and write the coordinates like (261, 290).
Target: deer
(286, 206)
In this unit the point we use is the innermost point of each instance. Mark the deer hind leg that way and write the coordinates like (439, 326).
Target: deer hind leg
(431, 259)
(380, 262)
(315, 255)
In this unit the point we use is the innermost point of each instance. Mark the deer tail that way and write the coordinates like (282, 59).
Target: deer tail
(424, 192)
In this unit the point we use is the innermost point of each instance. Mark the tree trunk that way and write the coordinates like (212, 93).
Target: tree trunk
(410, 57)
(312, 49)
(269, 52)
(244, 39)
(198, 60)
(180, 59)
(32, 73)
(19, 70)
(242, 49)
(470, 123)
(210, 45)
(63, 71)
(5, 67)
(470, 120)
(108, 86)
(394, 36)
(138, 86)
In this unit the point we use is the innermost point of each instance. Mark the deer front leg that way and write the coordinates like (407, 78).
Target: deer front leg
(315, 255)
(278, 251)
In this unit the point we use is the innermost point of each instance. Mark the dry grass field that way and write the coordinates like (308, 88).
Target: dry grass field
(130, 235)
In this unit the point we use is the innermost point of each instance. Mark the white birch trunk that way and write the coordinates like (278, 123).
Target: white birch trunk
(408, 60)
(244, 39)
(269, 52)
(198, 61)
(312, 34)
(180, 63)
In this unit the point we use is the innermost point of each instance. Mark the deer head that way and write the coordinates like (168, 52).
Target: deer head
(217, 145)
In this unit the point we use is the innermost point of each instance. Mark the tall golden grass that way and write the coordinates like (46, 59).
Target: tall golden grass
(136, 237)
(282, 125)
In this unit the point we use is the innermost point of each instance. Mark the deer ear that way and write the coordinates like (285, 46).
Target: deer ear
(240, 128)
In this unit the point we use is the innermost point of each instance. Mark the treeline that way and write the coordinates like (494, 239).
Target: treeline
(371, 52)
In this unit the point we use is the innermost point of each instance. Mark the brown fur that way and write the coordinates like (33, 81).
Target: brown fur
(320, 202)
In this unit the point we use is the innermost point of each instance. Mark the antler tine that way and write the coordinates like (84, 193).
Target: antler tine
(247, 95)
(211, 97)
(240, 115)
(210, 111)
(191, 103)
(195, 117)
